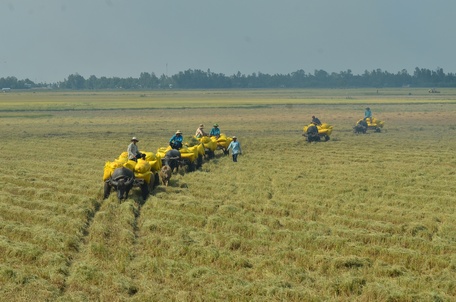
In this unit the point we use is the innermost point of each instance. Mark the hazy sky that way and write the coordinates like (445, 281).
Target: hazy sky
(47, 40)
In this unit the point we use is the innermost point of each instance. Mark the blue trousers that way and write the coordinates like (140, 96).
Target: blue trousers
(235, 157)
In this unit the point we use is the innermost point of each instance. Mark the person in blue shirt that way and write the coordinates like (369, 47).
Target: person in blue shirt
(368, 114)
(176, 141)
(215, 131)
(235, 147)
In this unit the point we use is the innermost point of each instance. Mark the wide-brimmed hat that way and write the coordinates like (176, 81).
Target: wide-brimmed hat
(201, 126)
(134, 139)
(234, 137)
(215, 125)
(178, 132)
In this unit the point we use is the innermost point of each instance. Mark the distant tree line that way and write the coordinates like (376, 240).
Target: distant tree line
(199, 79)
(14, 83)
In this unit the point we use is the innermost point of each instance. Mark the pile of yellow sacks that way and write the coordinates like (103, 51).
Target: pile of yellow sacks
(209, 142)
(189, 153)
(374, 124)
(212, 143)
(224, 141)
(323, 129)
(143, 168)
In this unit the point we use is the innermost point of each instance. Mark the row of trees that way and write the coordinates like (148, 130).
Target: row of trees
(199, 79)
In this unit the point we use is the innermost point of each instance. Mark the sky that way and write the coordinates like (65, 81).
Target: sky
(48, 40)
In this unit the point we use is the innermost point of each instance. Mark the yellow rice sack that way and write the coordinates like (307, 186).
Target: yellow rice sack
(124, 155)
(194, 149)
(155, 165)
(159, 161)
(188, 153)
(223, 144)
(205, 139)
(323, 131)
(212, 145)
(200, 149)
(149, 155)
(142, 166)
(115, 164)
(121, 160)
(162, 151)
(146, 176)
(107, 172)
(130, 164)
(189, 156)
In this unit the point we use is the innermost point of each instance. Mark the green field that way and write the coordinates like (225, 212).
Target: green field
(358, 218)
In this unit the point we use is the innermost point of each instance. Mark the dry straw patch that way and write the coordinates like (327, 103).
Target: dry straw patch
(359, 218)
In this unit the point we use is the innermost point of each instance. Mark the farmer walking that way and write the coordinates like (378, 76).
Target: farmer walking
(235, 148)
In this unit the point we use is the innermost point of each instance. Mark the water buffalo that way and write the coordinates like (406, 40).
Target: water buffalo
(165, 174)
(312, 134)
(360, 127)
(172, 159)
(121, 180)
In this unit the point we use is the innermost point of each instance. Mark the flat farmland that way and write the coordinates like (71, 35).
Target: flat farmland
(358, 218)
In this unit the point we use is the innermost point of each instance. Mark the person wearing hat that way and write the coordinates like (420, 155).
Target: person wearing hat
(200, 132)
(315, 120)
(133, 151)
(176, 141)
(235, 147)
(368, 114)
(215, 131)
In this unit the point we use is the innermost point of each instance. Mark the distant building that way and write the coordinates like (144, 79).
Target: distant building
(6, 89)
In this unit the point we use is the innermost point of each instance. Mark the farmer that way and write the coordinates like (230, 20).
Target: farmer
(215, 131)
(368, 114)
(176, 140)
(133, 151)
(235, 147)
(200, 132)
(315, 120)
